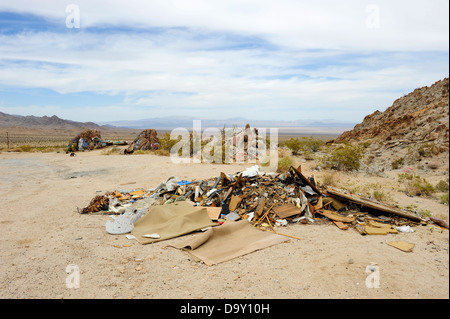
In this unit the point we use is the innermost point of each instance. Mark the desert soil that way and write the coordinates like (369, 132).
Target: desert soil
(42, 234)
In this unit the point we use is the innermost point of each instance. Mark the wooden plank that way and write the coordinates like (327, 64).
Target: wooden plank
(340, 225)
(373, 205)
(286, 210)
(335, 217)
(235, 201)
(260, 207)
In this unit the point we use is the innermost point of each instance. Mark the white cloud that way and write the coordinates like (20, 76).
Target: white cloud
(314, 43)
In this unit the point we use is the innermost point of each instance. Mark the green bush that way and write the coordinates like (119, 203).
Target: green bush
(344, 157)
(442, 186)
(398, 163)
(166, 143)
(306, 145)
(444, 199)
(25, 148)
(311, 144)
(420, 187)
(284, 164)
(294, 145)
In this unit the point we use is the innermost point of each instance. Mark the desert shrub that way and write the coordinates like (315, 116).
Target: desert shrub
(442, 186)
(405, 176)
(379, 195)
(166, 143)
(419, 186)
(141, 152)
(425, 213)
(284, 164)
(306, 145)
(421, 150)
(366, 144)
(111, 151)
(396, 164)
(344, 157)
(162, 152)
(444, 199)
(26, 148)
(329, 178)
(294, 145)
(311, 144)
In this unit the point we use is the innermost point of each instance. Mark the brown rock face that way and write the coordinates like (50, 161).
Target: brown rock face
(419, 117)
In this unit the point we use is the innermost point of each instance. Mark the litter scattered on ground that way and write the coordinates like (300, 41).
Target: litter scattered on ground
(266, 201)
(90, 140)
(146, 140)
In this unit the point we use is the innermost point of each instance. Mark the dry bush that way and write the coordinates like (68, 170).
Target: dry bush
(330, 178)
(344, 157)
(284, 164)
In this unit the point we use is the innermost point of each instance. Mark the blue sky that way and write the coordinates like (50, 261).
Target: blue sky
(280, 60)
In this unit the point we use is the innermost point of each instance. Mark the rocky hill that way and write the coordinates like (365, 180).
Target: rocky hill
(30, 121)
(415, 126)
(53, 125)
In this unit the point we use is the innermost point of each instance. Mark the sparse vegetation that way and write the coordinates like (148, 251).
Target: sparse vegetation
(442, 186)
(379, 195)
(416, 185)
(284, 164)
(396, 164)
(111, 151)
(329, 178)
(166, 143)
(307, 145)
(444, 199)
(345, 157)
(294, 145)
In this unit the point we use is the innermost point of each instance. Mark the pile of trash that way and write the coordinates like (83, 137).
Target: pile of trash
(265, 200)
(146, 140)
(90, 140)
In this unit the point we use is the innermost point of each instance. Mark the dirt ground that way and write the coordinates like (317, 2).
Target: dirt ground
(42, 234)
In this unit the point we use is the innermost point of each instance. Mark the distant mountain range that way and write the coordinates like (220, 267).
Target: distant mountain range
(169, 123)
(31, 121)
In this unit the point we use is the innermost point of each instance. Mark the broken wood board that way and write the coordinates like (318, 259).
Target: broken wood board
(287, 210)
(340, 225)
(374, 228)
(335, 217)
(213, 212)
(260, 207)
(235, 201)
(402, 245)
(337, 205)
(319, 204)
(373, 205)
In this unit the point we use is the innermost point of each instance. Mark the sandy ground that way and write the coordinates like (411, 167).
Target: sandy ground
(42, 233)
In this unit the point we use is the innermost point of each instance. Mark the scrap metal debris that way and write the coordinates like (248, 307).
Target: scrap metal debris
(266, 200)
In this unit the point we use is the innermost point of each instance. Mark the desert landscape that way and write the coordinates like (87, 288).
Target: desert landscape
(403, 162)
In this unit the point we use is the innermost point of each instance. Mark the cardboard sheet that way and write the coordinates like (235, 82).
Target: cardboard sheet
(170, 221)
(228, 241)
